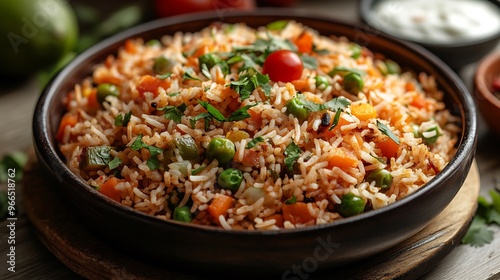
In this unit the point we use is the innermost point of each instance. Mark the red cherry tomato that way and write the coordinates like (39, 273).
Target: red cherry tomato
(283, 66)
(165, 8)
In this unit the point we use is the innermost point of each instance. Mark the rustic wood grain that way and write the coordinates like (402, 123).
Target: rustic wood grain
(87, 255)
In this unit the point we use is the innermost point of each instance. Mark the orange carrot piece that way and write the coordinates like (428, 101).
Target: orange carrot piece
(388, 147)
(278, 219)
(255, 116)
(304, 43)
(220, 205)
(419, 102)
(331, 133)
(340, 158)
(300, 85)
(108, 189)
(364, 111)
(251, 158)
(297, 213)
(67, 120)
(151, 84)
(130, 47)
(92, 99)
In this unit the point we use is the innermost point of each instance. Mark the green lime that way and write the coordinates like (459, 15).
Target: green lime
(35, 35)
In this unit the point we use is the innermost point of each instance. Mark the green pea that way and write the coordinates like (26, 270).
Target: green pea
(321, 82)
(353, 83)
(183, 214)
(153, 43)
(221, 149)
(382, 178)
(105, 90)
(230, 179)
(351, 205)
(187, 147)
(392, 67)
(356, 50)
(162, 65)
(295, 107)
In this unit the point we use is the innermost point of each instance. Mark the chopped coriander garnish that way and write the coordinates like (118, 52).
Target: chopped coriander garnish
(341, 70)
(174, 113)
(212, 111)
(309, 61)
(197, 170)
(333, 105)
(292, 154)
(153, 163)
(174, 94)
(209, 60)
(277, 25)
(487, 213)
(320, 51)
(188, 76)
(291, 200)
(254, 142)
(164, 76)
(205, 71)
(238, 115)
(203, 115)
(123, 120)
(138, 144)
(249, 81)
(385, 130)
(205, 89)
(114, 163)
(97, 188)
(336, 119)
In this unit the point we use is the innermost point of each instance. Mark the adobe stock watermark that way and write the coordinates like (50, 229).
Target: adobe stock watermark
(321, 253)
(32, 23)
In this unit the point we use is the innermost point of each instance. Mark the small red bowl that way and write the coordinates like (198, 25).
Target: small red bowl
(489, 104)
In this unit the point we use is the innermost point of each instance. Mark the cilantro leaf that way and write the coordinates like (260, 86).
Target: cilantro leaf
(174, 113)
(333, 105)
(254, 142)
(121, 120)
(478, 235)
(153, 163)
(164, 76)
(336, 119)
(188, 76)
(309, 61)
(137, 144)
(154, 151)
(291, 200)
(209, 60)
(320, 51)
(197, 170)
(385, 130)
(212, 111)
(277, 25)
(249, 81)
(114, 163)
(173, 94)
(200, 116)
(292, 154)
(240, 114)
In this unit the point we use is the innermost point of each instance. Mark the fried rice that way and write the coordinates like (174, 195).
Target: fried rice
(123, 126)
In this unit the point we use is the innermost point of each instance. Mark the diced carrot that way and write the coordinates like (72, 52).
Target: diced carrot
(419, 102)
(342, 159)
(250, 158)
(219, 206)
(92, 99)
(300, 85)
(410, 86)
(304, 43)
(130, 47)
(331, 133)
(108, 189)
(233, 104)
(364, 111)
(278, 219)
(255, 116)
(388, 147)
(297, 213)
(67, 120)
(151, 84)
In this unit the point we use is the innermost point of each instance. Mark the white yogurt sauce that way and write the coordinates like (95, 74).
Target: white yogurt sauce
(437, 21)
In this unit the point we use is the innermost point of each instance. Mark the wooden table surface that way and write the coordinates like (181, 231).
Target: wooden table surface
(34, 261)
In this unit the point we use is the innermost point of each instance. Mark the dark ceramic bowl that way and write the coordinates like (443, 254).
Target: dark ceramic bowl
(489, 105)
(455, 55)
(214, 249)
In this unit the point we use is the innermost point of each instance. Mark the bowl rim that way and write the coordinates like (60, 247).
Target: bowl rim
(366, 7)
(50, 154)
(480, 79)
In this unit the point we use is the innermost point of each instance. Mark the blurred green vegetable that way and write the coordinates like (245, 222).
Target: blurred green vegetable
(35, 35)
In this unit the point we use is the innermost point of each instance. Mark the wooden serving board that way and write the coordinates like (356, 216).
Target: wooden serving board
(84, 253)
